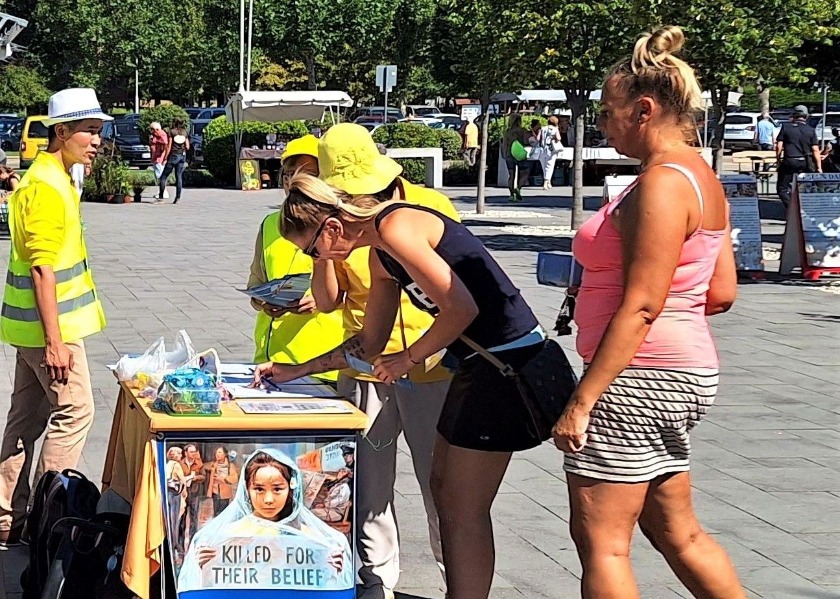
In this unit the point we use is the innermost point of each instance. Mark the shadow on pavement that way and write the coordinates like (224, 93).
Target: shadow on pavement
(526, 243)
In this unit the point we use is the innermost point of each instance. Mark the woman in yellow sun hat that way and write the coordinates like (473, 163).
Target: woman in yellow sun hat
(296, 334)
(349, 159)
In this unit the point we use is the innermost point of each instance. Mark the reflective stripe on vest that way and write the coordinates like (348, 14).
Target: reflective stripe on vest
(292, 338)
(61, 276)
(79, 310)
(31, 314)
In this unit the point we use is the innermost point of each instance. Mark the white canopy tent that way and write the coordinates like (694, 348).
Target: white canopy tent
(275, 106)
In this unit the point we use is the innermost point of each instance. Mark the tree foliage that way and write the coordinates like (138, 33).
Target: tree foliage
(573, 45)
(21, 87)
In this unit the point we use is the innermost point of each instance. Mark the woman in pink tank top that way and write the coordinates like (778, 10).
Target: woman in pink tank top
(657, 261)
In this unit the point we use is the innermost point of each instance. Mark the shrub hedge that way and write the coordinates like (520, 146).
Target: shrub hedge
(220, 150)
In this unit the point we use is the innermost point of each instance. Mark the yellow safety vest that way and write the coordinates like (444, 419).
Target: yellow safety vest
(80, 312)
(293, 338)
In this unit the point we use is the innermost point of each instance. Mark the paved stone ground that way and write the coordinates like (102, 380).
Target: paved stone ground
(766, 461)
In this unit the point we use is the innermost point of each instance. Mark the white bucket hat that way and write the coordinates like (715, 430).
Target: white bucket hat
(74, 104)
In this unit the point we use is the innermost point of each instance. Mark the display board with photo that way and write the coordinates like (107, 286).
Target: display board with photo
(819, 209)
(742, 194)
(260, 515)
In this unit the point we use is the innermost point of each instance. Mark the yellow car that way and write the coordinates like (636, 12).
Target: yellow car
(33, 139)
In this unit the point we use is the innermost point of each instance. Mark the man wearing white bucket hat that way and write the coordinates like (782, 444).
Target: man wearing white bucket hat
(50, 305)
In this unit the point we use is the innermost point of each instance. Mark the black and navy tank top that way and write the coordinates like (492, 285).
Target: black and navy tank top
(503, 315)
(179, 143)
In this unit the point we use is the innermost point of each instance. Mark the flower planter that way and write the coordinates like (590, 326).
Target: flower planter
(127, 199)
(109, 197)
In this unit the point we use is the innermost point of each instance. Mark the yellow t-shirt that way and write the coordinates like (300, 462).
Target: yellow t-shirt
(353, 277)
(471, 135)
(38, 213)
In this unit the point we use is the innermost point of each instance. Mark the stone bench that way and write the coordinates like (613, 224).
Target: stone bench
(433, 158)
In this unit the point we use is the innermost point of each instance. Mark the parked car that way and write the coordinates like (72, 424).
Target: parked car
(10, 131)
(192, 111)
(33, 139)
(824, 125)
(371, 126)
(447, 121)
(375, 120)
(739, 130)
(208, 114)
(422, 110)
(374, 111)
(123, 139)
(131, 117)
(197, 142)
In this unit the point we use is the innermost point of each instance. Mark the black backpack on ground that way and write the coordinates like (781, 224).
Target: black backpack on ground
(88, 559)
(58, 495)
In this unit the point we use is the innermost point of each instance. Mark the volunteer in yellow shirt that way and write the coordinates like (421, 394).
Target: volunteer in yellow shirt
(349, 160)
(299, 333)
(50, 305)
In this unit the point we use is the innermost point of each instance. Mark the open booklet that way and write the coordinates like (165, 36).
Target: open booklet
(281, 292)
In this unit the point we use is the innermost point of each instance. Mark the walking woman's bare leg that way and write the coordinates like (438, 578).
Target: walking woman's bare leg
(603, 517)
(668, 521)
(464, 485)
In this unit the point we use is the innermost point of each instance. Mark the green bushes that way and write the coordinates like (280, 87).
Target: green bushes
(219, 143)
(164, 115)
(450, 141)
(415, 135)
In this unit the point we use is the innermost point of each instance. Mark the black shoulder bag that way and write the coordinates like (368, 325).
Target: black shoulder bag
(546, 383)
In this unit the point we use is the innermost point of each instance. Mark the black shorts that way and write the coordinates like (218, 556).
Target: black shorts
(483, 408)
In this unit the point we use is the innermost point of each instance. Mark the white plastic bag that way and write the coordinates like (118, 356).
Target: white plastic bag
(147, 371)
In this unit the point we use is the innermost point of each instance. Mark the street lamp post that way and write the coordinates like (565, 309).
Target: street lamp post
(135, 64)
(824, 119)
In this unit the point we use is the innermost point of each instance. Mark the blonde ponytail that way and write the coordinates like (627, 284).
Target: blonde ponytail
(311, 200)
(654, 70)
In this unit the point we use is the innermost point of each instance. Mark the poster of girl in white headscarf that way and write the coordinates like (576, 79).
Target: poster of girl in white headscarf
(262, 519)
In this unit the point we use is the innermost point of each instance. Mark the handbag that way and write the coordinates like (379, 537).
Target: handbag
(546, 383)
(518, 151)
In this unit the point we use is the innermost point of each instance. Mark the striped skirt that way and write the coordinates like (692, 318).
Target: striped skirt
(639, 428)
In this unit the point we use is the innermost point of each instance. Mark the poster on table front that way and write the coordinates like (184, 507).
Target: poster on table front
(819, 209)
(267, 517)
(742, 195)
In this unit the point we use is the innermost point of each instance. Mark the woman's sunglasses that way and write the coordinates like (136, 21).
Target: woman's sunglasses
(311, 250)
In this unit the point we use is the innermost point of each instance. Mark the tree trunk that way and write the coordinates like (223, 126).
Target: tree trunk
(577, 102)
(720, 98)
(482, 159)
(763, 97)
(310, 73)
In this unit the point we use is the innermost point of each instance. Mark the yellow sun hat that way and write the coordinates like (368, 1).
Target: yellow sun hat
(302, 146)
(349, 160)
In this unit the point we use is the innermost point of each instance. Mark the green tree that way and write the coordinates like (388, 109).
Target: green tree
(480, 52)
(22, 87)
(730, 43)
(575, 43)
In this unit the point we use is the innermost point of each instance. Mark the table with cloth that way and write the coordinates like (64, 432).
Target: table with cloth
(321, 446)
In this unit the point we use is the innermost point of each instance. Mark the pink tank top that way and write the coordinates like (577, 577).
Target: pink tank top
(680, 337)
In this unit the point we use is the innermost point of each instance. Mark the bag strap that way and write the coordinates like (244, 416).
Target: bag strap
(505, 369)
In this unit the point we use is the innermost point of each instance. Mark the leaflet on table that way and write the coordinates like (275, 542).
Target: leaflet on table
(281, 292)
(367, 368)
(294, 407)
(278, 391)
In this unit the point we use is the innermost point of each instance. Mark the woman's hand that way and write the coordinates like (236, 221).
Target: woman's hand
(276, 373)
(205, 554)
(305, 305)
(569, 433)
(273, 311)
(392, 367)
